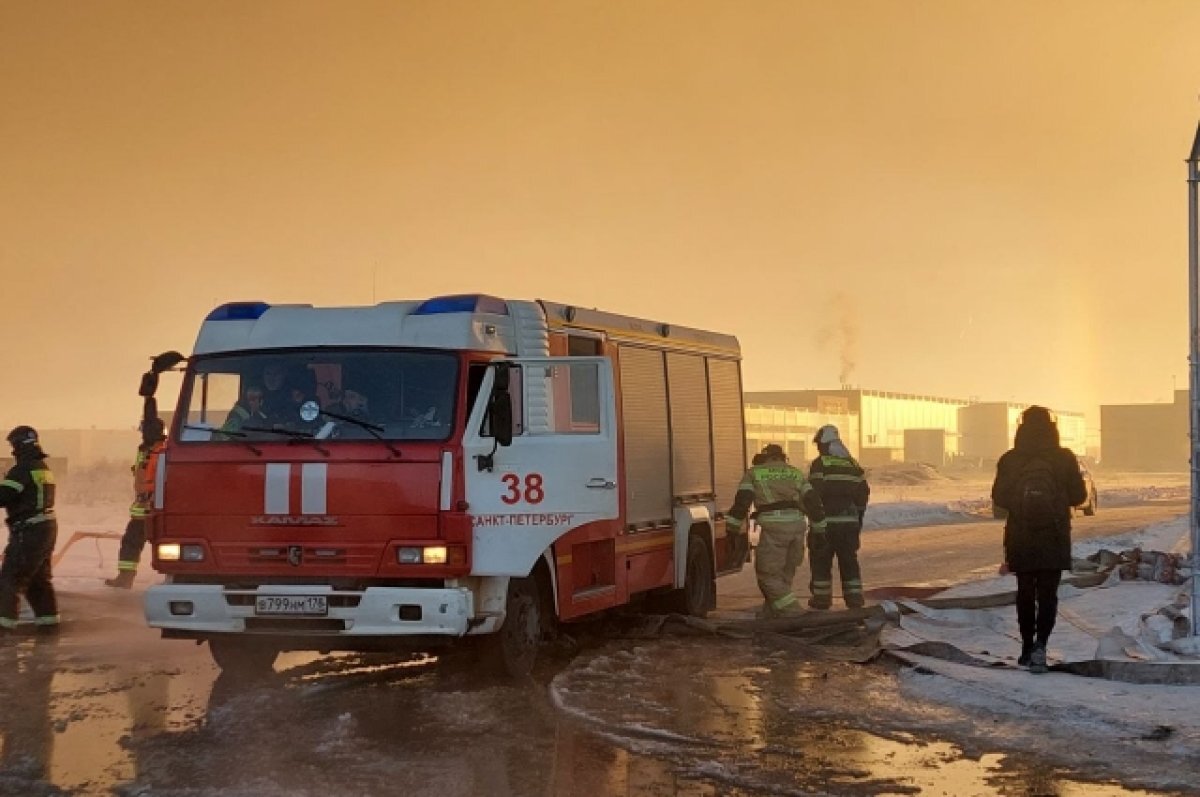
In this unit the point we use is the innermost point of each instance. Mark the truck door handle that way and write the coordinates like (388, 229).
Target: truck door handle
(601, 483)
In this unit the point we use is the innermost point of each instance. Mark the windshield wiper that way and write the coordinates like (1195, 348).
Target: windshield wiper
(373, 429)
(227, 433)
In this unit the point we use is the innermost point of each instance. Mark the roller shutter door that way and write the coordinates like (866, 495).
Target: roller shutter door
(645, 434)
(728, 434)
(691, 455)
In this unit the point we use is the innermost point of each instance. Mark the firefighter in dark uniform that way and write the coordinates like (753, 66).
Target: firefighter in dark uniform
(782, 498)
(134, 538)
(844, 491)
(27, 495)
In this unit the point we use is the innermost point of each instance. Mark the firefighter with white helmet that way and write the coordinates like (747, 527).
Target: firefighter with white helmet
(782, 497)
(27, 495)
(844, 491)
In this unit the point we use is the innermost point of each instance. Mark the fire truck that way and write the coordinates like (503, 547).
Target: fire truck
(463, 470)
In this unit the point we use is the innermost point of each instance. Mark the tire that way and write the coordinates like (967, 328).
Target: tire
(240, 656)
(513, 650)
(698, 595)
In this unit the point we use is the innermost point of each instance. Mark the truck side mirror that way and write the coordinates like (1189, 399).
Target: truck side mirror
(500, 414)
(149, 384)
(500, 408)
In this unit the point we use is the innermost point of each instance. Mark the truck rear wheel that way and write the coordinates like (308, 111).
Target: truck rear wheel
(699, 592)
(236, 655)
(513, 650)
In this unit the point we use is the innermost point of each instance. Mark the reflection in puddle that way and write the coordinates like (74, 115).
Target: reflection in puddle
(667, 719)
(759, 721)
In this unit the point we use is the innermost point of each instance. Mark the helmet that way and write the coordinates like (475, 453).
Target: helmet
(826, 434)
(773, 451)
(23, 436)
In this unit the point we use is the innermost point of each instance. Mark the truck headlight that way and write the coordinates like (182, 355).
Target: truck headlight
(174, 552)
(427, 555)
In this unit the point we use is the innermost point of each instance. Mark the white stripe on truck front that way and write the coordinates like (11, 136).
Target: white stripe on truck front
(447, 491)
(313, 478)
(277, 488)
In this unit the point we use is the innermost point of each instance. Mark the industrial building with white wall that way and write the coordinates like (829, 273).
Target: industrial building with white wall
(882, 426)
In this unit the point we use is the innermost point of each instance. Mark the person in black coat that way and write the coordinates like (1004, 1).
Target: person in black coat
(1037, 483)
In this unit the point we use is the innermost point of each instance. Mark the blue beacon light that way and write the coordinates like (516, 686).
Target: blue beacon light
(462, 303)
(239, 311)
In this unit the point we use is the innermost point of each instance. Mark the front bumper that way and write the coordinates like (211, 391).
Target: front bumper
(373, 612)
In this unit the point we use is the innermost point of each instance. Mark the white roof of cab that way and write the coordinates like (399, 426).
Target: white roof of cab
(390, 324)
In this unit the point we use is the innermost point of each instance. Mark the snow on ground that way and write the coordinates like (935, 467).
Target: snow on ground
(1117, 622)
(917, 495)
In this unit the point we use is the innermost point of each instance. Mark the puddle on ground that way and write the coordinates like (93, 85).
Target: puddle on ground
(666, 719)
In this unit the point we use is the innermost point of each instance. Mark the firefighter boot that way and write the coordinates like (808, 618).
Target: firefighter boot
(819, 602)
(124, 579)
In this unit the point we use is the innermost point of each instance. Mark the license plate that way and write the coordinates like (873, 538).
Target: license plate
(291, 604)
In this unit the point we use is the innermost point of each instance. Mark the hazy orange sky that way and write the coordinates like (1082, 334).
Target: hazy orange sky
(989, 197)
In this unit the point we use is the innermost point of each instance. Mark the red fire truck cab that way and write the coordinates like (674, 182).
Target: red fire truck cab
(426, 472)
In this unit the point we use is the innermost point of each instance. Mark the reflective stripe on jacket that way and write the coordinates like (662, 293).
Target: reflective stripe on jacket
(842, 485)
(27, 492)
(144, 468)
(780, 491)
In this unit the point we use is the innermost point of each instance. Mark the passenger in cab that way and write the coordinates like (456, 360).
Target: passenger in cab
(247, 412)
(352, 403)
(276, 395)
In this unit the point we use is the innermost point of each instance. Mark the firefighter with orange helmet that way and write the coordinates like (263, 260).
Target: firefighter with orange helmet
(27, 495)
(782, 497)
(133, 541)
(145, 471)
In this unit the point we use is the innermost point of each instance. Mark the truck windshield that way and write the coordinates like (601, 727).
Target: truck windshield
(324, 394)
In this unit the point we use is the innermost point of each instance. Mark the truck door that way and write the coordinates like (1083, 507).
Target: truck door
(560, 471)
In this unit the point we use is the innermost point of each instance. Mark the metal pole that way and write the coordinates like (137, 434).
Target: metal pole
(1193, 162)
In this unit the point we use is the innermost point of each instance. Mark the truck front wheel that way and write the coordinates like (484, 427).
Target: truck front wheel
(240, 656)
(513, 650)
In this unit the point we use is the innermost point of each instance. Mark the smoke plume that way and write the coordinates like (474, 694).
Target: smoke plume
(840, 332)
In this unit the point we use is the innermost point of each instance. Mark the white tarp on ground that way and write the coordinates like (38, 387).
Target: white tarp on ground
(1086, 622)
(1103, 625)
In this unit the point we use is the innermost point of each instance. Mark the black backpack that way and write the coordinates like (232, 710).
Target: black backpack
(1040, 502)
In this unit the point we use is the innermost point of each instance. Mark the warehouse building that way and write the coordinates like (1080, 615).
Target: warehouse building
(906, 427)
(1145, 437)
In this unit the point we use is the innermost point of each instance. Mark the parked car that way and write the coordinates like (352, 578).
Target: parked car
(1088, 507)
